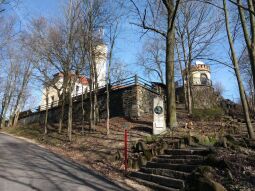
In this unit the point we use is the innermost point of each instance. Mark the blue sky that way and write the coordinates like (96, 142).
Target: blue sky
(129, 42)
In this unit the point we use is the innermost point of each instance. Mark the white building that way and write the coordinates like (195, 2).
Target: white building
(81, 85)
(82, 82)
(101, 62)
(200, 74)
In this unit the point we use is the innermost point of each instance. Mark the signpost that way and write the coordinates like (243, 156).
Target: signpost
(159, 123)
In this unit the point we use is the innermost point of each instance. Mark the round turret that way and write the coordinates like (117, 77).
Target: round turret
(200, 74)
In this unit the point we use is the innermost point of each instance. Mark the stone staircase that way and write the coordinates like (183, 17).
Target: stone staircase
(168, 172)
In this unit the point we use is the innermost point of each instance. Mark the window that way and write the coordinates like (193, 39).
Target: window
(52, 101)
(77, 89)
(203, 79)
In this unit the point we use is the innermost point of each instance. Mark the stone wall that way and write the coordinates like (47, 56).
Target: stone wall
(131, 102)
(204, 97)
(138, 101)
(145, 100)
(179, 93)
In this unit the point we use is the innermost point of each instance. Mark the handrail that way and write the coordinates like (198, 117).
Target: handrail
(132, 80)
(194, 81)
(201, 81)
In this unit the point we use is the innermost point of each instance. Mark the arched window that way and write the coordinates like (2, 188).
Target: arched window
(203, 79)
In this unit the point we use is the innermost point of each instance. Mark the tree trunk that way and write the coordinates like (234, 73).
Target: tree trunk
(189, 74)
(83, 112)
(108, 109)
(238, 76)
(3, 118)
(91, 97)
(108, 94)
(250, 42)
(170, 84)
(187, 78)
(252, 60)
(183, 78)
(189, 93)
(70, 114)
(3, 114)
(46, 112)
(96, 107)
(63, 102)
(16, 118)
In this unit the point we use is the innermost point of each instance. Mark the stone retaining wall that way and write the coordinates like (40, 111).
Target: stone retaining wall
(204, 97)
(131, 102)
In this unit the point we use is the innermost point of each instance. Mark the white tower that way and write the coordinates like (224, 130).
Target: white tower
(101, 61)
(200, 74)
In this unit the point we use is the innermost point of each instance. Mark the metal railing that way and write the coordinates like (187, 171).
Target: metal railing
(194, 81)
(201, 81)
(122, 83)
(178, 83)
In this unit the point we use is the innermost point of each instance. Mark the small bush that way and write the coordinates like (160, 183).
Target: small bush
(207, 114)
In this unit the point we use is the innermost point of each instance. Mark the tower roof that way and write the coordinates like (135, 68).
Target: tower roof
(199, 66)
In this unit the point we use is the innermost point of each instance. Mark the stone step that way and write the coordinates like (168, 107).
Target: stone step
(186, 152)
(154, 186)
(170, 140)
(176, 167)
(178, 161)
(181, 157)
(180, 106)
(161, 180)
(166, 172)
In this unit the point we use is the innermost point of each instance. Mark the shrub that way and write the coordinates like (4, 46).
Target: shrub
(207, 114)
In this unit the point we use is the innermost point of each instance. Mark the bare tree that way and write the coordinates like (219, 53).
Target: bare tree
(197, 26)
(9, 88)
(96, 16)
(248, 36)
(219, 88)
(57, 44)
(238, 75)
(119, 71)
(5, 4)
(152, 58)
(159, 17)
(113, 34)
(245, 69)
(25, 76)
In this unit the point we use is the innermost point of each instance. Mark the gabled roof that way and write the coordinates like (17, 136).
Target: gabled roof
(82, 79)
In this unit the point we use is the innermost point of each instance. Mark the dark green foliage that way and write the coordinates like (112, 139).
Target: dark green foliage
(207, 114)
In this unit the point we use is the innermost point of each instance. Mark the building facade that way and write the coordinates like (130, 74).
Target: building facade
(202, 91)
(55, 88)
(81, 84)
(200, 74)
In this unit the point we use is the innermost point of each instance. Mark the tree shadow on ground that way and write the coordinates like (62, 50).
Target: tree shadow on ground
(38, 169)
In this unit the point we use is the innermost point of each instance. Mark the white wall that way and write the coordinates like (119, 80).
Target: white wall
(53, 95)
(196, 76)
(101, 62)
